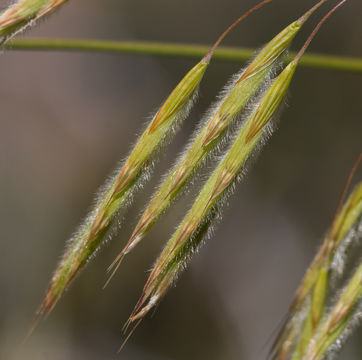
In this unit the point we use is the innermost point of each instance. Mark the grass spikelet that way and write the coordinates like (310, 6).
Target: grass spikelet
(118, 191)
(345, 313)
(311, 295)
(189, 234)
(23, 13)
(236, 95)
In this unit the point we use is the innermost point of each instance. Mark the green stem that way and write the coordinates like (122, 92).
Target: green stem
(329, 62)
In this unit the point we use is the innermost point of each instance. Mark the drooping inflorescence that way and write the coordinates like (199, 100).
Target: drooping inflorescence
(117, 192)
(189, 234)
(214, 126)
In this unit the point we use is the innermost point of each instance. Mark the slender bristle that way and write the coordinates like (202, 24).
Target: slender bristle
(222, 36)
(316, 29)
(114, 267)
(304, 17)
(129, 335)
(347, 186)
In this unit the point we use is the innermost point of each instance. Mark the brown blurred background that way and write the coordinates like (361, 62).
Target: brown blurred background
(68, 118)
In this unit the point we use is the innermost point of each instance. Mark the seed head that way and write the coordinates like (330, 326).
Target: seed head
(312, 293)
(187, 236)
(118, 192)
(237, 94)
(344, 313)
(196, 223)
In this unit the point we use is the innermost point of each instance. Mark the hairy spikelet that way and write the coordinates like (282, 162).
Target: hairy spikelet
(196, 223)
(117, 193)
(342, 225)
(311, 297)
(214, 126)
(333, 330)
(206, 207)
(187, 236)
(23, 13)
(309, 305)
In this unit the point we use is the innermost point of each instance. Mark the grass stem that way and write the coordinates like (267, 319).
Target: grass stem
(227, 53)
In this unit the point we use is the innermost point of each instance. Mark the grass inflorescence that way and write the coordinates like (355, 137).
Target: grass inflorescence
(241, 121)
(189, 234)
(242, 88)
(118, 191)
(311, 300)
(342, 316)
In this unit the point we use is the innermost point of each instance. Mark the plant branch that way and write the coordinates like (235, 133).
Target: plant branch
(328, 62)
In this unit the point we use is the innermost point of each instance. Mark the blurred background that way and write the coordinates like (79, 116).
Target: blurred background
(68, 118)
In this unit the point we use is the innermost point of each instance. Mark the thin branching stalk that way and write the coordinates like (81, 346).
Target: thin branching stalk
(24, 13)
(117, 193)
(236, 95)
(309, 304)
(207, 206)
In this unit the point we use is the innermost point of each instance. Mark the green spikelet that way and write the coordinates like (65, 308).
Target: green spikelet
(338, 319)
(192, 229)
(189, 234)
(316, 282)
(242, 89)
(118, 191)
